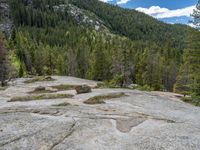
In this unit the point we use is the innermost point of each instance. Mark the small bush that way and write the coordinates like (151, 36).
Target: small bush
(100, 99)
(40, 97)
(145, 88)
(116, 82)
(195, 100)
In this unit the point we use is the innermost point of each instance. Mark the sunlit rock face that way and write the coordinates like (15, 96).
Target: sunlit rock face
(137, 120)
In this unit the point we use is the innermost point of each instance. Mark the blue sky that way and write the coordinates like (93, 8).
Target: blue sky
(170, 11)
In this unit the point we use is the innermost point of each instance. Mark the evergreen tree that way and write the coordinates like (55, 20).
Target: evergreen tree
(196, 15)
(191, 66)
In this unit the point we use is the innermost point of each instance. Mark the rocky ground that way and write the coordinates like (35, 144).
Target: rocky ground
(137, 121)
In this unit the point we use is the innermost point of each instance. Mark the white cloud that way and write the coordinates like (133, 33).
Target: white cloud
(160, 13)
(105, 1)
(122, 2)
(119, 2)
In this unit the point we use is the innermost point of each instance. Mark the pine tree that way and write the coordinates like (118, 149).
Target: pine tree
(191, 66)
(196, 16)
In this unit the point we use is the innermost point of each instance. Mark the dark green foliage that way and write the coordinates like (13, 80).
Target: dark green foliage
(135, 25)
(3, 62)
(189, 76)
(188, 80)
(196, 15)
(195, 100)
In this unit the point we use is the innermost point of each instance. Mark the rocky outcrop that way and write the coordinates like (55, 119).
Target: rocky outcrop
(139, 121)
(82, 17)
(6, 24)
(80, 89)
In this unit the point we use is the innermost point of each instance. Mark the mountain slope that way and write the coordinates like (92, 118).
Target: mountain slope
(134, 24)
(95, 40)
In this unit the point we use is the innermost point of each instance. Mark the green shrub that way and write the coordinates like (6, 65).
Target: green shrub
(116, 82)
(145, 88)
(195, 100)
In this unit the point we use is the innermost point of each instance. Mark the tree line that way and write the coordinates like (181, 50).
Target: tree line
(46, 42)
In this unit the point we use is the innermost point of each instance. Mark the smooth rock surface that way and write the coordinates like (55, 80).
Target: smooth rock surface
(139, 121)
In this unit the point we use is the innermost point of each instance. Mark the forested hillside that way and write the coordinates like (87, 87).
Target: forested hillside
(94, 40)
(135, 25)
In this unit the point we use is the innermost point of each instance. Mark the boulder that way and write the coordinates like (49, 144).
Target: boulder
(50, 89)
(48, 78)
(132, 86)
(40, 88)
(83, 89)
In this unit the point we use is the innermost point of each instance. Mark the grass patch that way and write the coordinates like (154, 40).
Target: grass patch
(145, 88)
(63, 87)
(100, 99)
(62, 104)
(40, 97)
(39, 78)
(192, 100)
(3, 88)
(40, 90)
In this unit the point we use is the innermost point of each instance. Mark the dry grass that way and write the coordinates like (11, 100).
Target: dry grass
(100, 99)
(39, 78)
(63, 87)
(40, 97)
(3, 88)
(41, 89)
(62, 104)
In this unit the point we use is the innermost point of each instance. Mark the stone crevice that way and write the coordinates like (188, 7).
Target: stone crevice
(71, 130)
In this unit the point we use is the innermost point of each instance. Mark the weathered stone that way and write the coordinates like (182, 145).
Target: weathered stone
(40, 88)
(48, 78)
(6, 25)
(132, 86)
(139, 121)
(83, 89)
(50, 89)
